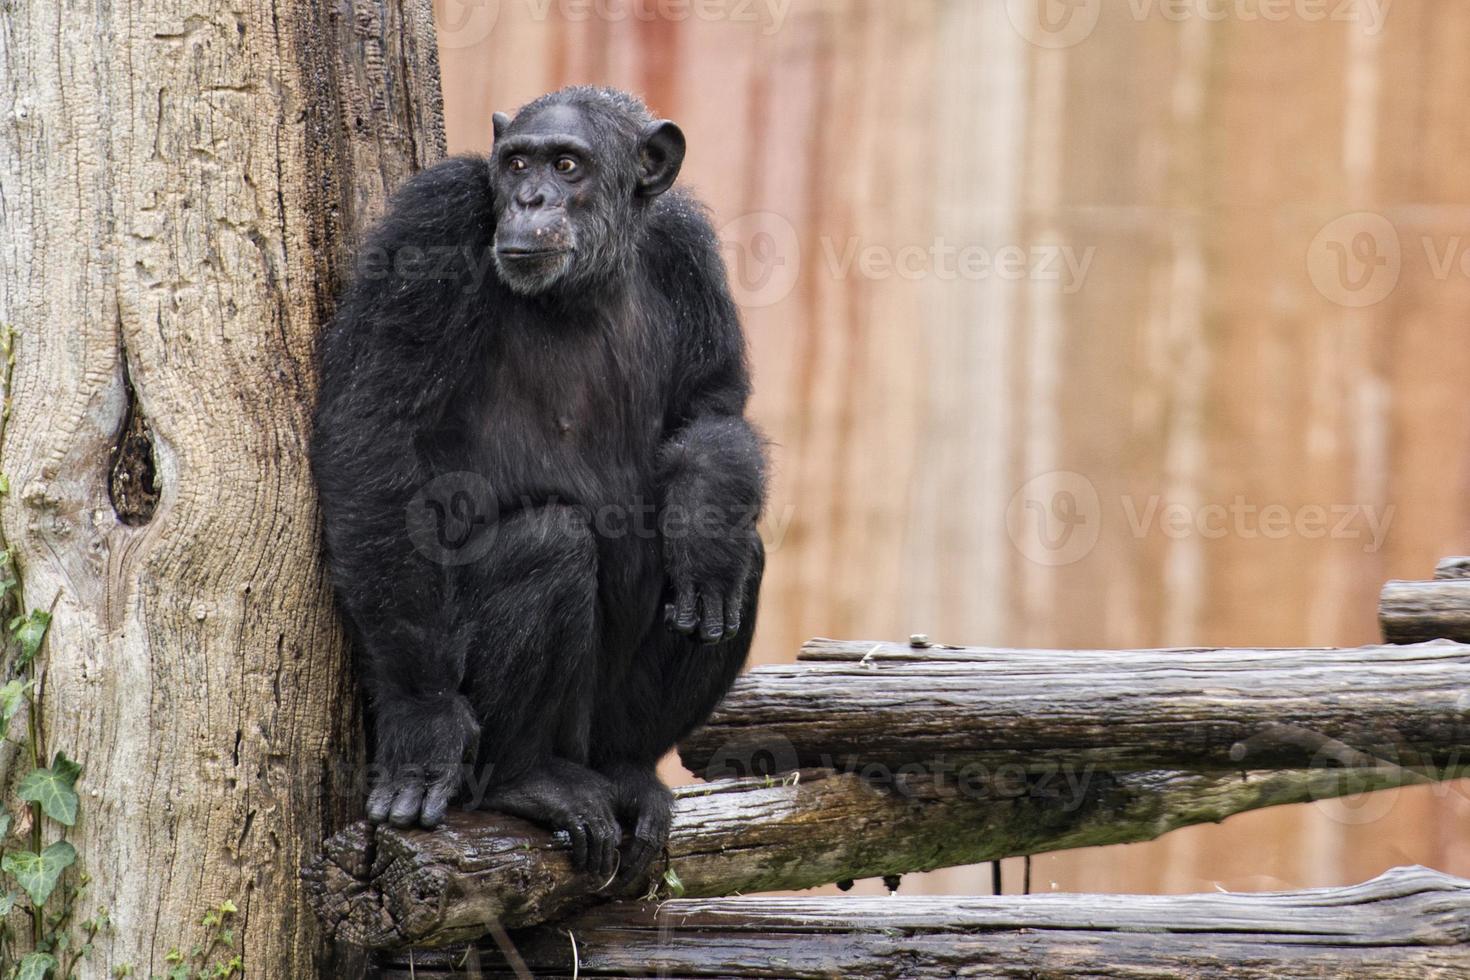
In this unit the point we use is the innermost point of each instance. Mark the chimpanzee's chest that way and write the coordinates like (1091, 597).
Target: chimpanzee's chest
(579, 412)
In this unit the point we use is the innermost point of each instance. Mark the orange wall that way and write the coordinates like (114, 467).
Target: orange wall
(903, 185)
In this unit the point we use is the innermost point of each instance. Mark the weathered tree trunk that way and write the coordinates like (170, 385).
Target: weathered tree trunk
(855, 704)
(179, 183)
(1407, 924)
(1414, 612)
(392, 888)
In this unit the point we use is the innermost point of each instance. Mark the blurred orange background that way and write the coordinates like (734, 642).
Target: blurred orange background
(1077, 324)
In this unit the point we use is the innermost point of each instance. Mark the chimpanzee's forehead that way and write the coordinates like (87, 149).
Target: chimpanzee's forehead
(555, 120)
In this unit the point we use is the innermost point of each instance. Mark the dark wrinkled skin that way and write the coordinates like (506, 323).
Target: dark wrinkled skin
(582, 358)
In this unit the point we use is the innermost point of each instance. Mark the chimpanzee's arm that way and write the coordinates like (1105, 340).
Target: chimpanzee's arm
(712, 465)
(389, 361)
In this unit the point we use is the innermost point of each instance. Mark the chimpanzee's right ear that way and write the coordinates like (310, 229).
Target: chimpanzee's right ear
(500, 121)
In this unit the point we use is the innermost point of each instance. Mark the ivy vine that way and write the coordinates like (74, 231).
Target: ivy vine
(41, 883)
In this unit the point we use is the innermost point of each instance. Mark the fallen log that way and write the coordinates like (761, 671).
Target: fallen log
(1412, 612)
(1452, 568)
(859, 705)
(1409, 923)
(386, 888)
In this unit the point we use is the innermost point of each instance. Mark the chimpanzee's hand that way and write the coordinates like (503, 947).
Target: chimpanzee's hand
(420, 761)
(709, 576)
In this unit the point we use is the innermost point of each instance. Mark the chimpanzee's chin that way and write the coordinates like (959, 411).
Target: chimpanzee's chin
(531, 274)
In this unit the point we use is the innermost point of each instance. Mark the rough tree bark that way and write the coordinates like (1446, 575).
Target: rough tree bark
(179, 183)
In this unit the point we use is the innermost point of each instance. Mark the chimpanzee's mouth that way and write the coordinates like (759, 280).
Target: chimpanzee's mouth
(516, 253)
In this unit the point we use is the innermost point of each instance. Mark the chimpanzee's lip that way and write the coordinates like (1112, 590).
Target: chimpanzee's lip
(516, 252)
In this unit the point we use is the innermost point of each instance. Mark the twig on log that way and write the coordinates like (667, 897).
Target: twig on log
(849, 705)
(390, 888)
(1412, 612)
(1409, 923)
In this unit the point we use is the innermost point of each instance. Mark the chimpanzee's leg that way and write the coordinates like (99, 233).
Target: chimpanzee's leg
(530, 670)
(670, 686)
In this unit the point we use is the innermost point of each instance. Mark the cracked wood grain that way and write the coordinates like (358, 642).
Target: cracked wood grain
(848, 705)
(387, 888)
(1404, 925)
(182, 181)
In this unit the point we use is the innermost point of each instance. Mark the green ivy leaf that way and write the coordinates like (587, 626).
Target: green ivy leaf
(66, 769)
(12, 696)
(54, 789)
(38, 873)
(7, 903)
(35, 966)
(30, 631)
(676, 887)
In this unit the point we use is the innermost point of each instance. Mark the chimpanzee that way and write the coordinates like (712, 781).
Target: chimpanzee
(538, 483)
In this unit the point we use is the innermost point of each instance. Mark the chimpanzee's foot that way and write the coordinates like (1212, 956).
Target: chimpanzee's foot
(421, 755)
(646, 805)
(564, 796)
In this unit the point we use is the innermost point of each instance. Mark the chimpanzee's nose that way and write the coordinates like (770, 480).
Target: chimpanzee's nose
(531, 197)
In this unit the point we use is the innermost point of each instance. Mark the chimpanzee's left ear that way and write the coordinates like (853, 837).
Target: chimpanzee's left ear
(660, 155)
(500, 120)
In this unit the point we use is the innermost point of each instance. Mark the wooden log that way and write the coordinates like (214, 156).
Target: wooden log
(1452, 568)
(1413, 612)
(854, 705)
(1408, 923)
(389, 888)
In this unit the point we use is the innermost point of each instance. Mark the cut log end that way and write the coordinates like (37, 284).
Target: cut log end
(1417, 612)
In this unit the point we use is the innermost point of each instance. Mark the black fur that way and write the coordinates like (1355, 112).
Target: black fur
(559, 614)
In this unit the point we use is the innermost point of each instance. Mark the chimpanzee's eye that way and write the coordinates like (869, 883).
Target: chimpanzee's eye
(517, 164)
(566, 165)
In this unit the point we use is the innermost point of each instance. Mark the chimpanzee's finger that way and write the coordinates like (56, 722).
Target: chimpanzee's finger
(685, 617)
(713, 607)
(405, 812)
(733, 606)
(436, 800)
(380, 799)
(579, 844)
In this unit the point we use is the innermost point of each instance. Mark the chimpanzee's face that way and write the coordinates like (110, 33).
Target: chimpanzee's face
(548, 184)
(567, 192)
